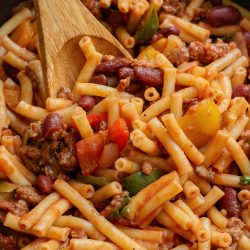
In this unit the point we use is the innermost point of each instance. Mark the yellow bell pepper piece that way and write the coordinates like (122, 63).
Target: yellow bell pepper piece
(201, 122)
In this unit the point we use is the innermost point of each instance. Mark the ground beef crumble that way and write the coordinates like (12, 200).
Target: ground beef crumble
(29, 194)
(146, 167)
(174, 7)
(235, 227)
(8, 242)
(114, 204)
(7, 206)
(206, 173)
(50, 156)
(18, 208)
(207, 52)
(21, 207)
(177, 56)
(93, 6)
(123, 84)
(65, 93)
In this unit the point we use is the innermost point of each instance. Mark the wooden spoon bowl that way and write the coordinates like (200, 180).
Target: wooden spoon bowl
(61, 24)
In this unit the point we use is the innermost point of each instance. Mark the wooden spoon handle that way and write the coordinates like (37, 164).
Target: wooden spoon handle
(62, 20)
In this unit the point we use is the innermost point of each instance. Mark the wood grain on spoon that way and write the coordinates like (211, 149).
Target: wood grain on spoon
(61, 24)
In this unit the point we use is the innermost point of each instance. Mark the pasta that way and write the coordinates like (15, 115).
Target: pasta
(144, 153)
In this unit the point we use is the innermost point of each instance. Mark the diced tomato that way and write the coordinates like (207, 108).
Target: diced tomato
(118, 133)
(96, 119)
(89, 151)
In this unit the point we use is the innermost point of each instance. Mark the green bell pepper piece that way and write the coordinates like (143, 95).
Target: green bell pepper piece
(118, 211)
(148, 26)
(244, 180)
(94, 180)
(137, 181)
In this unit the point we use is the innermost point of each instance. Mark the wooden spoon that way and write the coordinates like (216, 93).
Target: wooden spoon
(61, 24)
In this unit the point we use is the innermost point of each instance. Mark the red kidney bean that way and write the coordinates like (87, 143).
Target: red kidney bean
(223, 15)
(242, 90)
(149, 76)
(100, 79)
(125, 72)
(216, 2)
(188, 103)
(247, 40)
(45, 183)
(52, 123)
(171, 30)
(112, 66)
(134, 88)
(86, 102)
(230, 203)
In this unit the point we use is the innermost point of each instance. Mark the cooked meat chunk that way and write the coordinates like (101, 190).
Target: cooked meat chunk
(65, 93)
(21, 208)
(93, 6)
(31, 155)
(7, 206)
(204, 172)
(116, 203)
(146, 167)
(235, 227)
(29, 194)
(31, 152)
(123, 84)
(8, 242)
(207, 52)
(174, 7)
(51, 155)
(178, 56)
(35, 129)
(66, 160)
(15, 207)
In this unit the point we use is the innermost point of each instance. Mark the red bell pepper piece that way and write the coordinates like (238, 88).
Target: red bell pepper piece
(96, 119)
(118, 133)
(89, 151)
